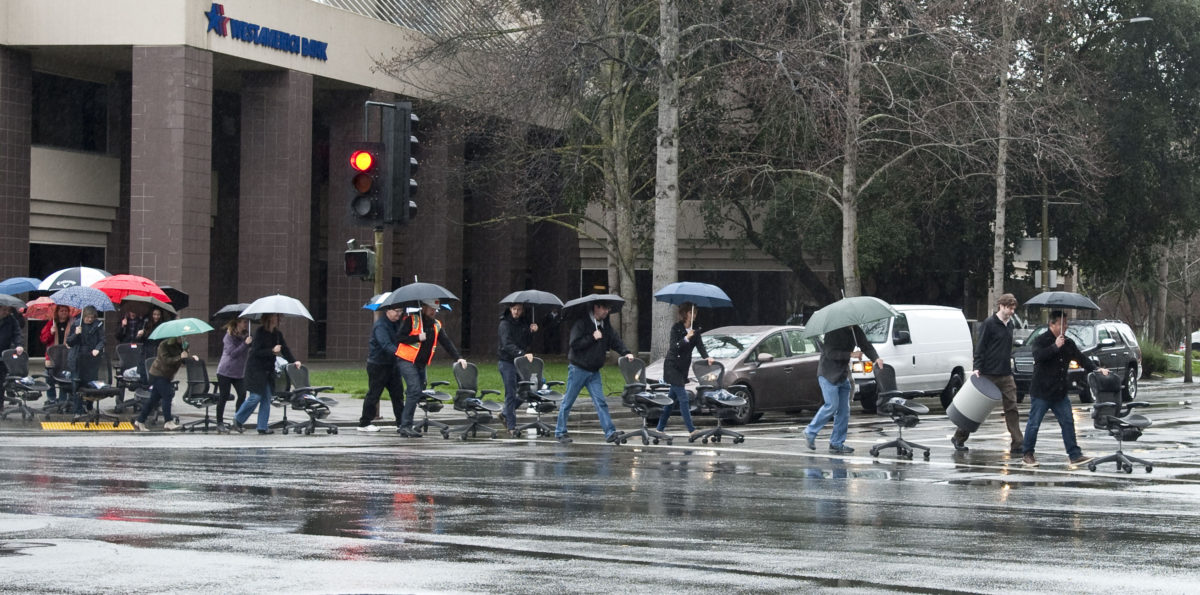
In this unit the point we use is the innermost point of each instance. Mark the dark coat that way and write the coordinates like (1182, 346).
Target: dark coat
(127, 333)
(588, 353)
(260, 364)
(1050, 381)
(83, 364)
(381, 349)
(836, 348)
(11, 335)
(993, 352)
(170, 357)
(679, 354)
(515, 336)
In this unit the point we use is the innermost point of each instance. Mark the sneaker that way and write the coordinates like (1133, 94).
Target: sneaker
(959, 445)
(564, 439)
(513, 433)
(368, 428)
(1029, 460)
(841, 450)
(811, 441)
(613, 437)
(140, 426)
(409, 433)
(1081, 459)
(267, 431)
(171, 425)
(237, 427)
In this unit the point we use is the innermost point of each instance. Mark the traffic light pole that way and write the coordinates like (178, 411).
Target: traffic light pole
(378, 263)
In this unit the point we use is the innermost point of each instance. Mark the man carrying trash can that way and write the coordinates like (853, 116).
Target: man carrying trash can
(993, 361)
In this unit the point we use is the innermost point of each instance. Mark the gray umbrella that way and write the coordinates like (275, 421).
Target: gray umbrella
(275, 304)
(532, 296)
(10, 301)
(582, 305)
(1061, 299)
(227, 313)
(846, 312)
(142, 304)
(415, 292)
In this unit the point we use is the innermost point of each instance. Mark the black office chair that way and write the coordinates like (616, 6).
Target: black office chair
(60, 378)
(94, 393)
(905, 413)
(200, 393)
(1110, 415)
(308, 399)
(129, 375)
(469, 399)
(534, 389)
(724, 404)
(432, 401)
(281, 397)
(19, 387)
(644, 399)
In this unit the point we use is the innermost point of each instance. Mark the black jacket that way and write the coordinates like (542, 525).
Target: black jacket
(11, 335)
(260, 362)
(426, 347)
(81, 360)
(588, 353)
(993, 352)
(836, 348)
(381, 348)
(679, 354)
(1050, 381)
(515, 337)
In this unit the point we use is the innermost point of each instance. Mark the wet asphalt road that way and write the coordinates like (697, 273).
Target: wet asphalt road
(117, 512)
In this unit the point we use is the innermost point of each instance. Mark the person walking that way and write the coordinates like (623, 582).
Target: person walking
(171, 353)
(516, 336)
(383, 370)
(86, 339)
(833, 375)
(266, 345)
(420, 334)
(683, 340)
(1053, 353)
(993, 361)
(231, 368)
(54, 332)
(592, 337)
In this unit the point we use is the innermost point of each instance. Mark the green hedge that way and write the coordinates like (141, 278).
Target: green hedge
(1154, 360)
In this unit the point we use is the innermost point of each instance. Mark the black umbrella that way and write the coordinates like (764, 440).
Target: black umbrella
(532, 296)
(583, 305)
(11, 302)
(142, 304)
(179, 299)
(415, 292)
(227, 313)
(1061, 299)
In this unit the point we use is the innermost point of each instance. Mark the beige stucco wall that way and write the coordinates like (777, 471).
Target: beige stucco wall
(73, 197)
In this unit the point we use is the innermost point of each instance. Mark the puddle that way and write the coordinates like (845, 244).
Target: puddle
(17, 548)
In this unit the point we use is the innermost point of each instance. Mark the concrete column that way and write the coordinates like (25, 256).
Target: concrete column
(275, 210)
(170, 171)
(16, 96)
(116, 257)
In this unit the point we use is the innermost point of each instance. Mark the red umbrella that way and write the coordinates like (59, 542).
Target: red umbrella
(43, 309)
(119, 286)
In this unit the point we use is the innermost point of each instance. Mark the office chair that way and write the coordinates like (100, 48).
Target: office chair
(904, 413)
(468, 399)
(19, 387)
(1110, 415)
(308, 399)
(534, 389)
(723, 403)
(432, 401)
(281, 397)
(129, 376)
(93, 393)
(643, 399)
(60, 378)
(201, 392)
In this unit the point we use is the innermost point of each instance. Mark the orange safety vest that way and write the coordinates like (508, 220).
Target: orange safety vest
(408, 351)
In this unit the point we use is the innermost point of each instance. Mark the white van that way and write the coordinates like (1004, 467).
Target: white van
(930, 347)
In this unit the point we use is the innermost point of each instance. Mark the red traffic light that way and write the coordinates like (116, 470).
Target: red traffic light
(362, 160)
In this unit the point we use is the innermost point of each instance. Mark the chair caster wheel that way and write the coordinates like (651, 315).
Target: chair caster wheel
(1149, 468)
(463, 437)
(1128, 468)
(716, 439)
(927, 455)
(331, 431)
(875, 452)
(656, 440)
(670, 440)
(691, 439)
(738, 440)
(706, 441)
(285, 431)
(493, 435)
(1091, 468)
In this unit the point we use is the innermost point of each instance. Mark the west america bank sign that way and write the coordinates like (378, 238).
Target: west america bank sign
(264, 36)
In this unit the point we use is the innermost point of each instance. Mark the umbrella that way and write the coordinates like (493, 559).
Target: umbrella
(117, 287)
(11, 302)
(43, 309)
(415, 292)
(375, 300)
(275, 304)
(72, 277)
(179, 328)
(142, 304)
(82, 297)
(848, 312)
(533, 297)
(701, 294)
(228, 312)
(178, 299)
(1061, 299)
(582, 305)
(19, 285)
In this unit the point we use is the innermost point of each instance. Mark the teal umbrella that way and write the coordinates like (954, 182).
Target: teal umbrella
(845, 312)
(179, 328)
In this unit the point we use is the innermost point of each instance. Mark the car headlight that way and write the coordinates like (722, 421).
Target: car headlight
(1074, 365)
(862, 367)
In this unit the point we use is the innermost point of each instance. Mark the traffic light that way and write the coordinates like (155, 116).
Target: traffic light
(360, 262)
(366, 182)
(402, 145)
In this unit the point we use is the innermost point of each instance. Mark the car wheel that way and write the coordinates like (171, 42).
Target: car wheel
(744, 414)
(1131, 384)
(869, 398)
(956, 382)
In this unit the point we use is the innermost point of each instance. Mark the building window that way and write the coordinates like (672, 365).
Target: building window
(69, 113)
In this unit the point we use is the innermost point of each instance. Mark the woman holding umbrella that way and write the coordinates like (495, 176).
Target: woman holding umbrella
(231, 368)
(55, 333)
(266, 344)
(516, 335)
(684, 338)
(86, 339)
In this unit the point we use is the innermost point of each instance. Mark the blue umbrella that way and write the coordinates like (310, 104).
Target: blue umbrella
(79, 296)
(17, 285)
(701, 294)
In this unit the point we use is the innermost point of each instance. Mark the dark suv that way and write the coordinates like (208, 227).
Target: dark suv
(1108, 343)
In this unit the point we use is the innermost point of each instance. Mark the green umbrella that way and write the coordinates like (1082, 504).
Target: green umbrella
(848, 312)
(180, 327)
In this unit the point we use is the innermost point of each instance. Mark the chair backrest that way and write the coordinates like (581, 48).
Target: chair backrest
(297, 377)
(17, 363)
(129, 355)
(633, 371)
(1107, 392)
(527, 369)
(709, 376)
(58, 356)
(197, 376)
(885, 381)
(467, 377)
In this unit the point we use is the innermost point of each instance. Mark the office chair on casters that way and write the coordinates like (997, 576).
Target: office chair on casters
(644, 399)
(201, 392)
(60, 378)
(468, 399)
(534, 389)
(128, 375)
(1110, 415)
(904, 413)
(94, 392)
(308, 399)
(19, 387)
(723, 403)
(281, 397)
(432, 401)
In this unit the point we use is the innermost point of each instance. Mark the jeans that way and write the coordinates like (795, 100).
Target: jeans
(1062, 412)
(379, 377)
(224, 383)
(508, 373)
(577, 379)
(837, 406)
(263, 402)
(414, 383)
(679, 395)
(161, 393)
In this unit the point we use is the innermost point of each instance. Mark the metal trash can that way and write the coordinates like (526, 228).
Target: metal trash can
(974, 401)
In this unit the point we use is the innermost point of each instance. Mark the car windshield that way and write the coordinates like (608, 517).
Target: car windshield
(876, 331)
(1083, 336)
(726, 346)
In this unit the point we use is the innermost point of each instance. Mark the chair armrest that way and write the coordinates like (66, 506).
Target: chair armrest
(555, 383)
(488, 391)
(434, 384)
(706, 387)
(659, 386)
